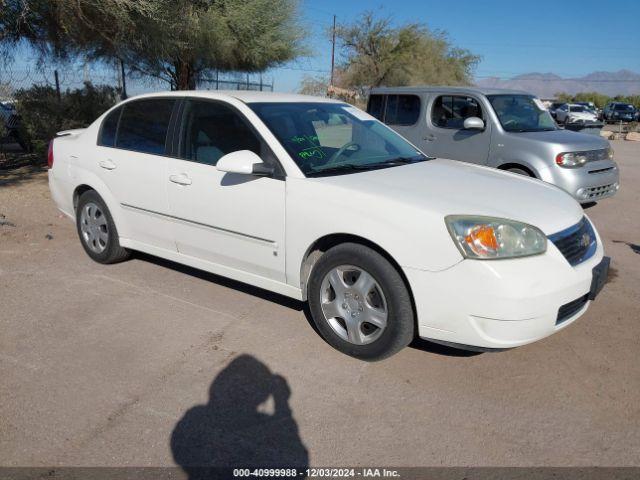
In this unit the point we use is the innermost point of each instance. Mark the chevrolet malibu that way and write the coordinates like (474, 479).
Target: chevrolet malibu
(316, 200)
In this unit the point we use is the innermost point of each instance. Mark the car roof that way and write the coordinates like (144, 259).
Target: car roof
(448, 89)
(246, 96)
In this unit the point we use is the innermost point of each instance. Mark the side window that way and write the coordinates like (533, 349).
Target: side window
(375, 107)
(144, 125)
(109, 128)
(211, 130)
(450, 111)
(402, 110)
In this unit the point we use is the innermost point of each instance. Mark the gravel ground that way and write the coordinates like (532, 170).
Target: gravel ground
(146, 362)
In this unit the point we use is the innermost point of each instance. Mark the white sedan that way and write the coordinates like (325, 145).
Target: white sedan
(573, 113)
(316, 200)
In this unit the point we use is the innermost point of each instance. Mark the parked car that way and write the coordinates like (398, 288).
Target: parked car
(553, 107)
(10, 125)
(505, 129)
(589, 105)
(316, 200)
(618, 112)
(574, 113)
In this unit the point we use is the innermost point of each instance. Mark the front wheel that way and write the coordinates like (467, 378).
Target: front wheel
(97, 231)
(519, 171)
(360, 303)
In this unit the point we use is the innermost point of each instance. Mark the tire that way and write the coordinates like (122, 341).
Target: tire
(97, 231)
(519, 171)
(340, 314)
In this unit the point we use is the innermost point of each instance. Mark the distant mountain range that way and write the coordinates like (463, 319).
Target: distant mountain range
(546, 85)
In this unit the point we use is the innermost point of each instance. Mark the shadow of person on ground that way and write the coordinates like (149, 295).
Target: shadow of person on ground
(234, 431)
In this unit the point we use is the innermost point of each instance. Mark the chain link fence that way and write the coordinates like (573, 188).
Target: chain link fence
(69, 77)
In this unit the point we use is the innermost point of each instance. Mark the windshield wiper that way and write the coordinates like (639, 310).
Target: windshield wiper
(394, 162)
(349, 168)
(337, 169)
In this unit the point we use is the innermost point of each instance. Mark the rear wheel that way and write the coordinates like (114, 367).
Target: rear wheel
(97, 231)
(360, 303)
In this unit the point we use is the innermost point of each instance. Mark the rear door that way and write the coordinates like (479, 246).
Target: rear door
(132, 162)
(232, 220)
(445, 135)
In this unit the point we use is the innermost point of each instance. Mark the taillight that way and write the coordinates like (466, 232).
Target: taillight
(50, 155)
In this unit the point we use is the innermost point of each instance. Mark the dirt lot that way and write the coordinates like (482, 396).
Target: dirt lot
(99, 365)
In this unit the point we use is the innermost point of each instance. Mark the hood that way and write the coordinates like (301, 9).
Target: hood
(447, 187)
(566, 140)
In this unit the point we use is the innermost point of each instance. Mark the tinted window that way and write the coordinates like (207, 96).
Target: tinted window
(402, 110)
(450, 111)
(376, 106)
(109, 128)
(211, 130)
(144, 125)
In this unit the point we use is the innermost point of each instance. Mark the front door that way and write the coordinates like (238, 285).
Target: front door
(232, 220)
(446, 137)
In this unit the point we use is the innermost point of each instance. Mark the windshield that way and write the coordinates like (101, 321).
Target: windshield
(624, 108)
(334, 138)
(577, 108)
(521, 113)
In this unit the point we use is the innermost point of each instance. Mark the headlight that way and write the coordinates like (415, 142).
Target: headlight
(489, 238)
(571, 159)
(610, 153)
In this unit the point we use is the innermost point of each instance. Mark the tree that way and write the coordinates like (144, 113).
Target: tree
(314, 85)
(177, 40)
(376, 53)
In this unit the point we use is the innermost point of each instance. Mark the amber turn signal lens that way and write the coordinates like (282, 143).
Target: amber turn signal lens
(482, 240)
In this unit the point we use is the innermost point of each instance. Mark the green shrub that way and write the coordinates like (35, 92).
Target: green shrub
(42, 114)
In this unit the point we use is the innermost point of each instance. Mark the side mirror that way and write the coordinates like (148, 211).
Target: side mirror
(244, 162)
(473, 123)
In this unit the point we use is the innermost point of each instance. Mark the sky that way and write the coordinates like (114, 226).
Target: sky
(567, 37)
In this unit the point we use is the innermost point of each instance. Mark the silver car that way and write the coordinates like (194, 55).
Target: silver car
(506, 129)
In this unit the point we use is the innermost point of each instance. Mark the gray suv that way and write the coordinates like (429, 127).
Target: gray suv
(506, 129)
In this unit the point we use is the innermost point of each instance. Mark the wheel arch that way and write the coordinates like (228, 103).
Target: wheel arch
(521, 165)
(87, 181)
(79, 190)
(322, 244)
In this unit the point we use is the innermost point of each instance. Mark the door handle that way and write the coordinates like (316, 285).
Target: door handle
(182, 179)
(107, 164)
(430, 137)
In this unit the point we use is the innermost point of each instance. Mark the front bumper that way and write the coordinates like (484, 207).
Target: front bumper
(592, 182)
(501, 303)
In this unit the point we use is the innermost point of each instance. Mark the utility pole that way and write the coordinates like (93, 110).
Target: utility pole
(333, 49)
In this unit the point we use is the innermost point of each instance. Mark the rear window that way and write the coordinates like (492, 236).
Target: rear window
(402, 109)
(375, 107)
(395, 109)
(107, 137)
(144, 125)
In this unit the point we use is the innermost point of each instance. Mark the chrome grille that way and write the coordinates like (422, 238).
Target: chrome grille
(577, 243)
(600, 191)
